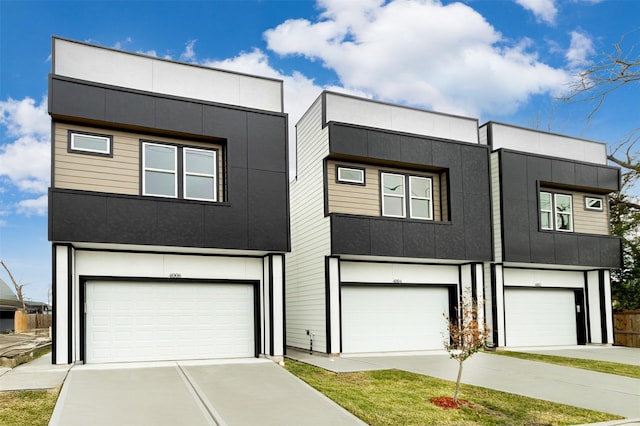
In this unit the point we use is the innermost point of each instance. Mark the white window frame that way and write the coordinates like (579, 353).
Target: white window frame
(347, 180)
(167, 171)
(185, 173)
(417, 197)
(548, 211)
(587, 199)
(107, 139)
(402, 196)
(558, 213)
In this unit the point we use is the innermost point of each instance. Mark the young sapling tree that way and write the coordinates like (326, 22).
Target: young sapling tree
(467, 335)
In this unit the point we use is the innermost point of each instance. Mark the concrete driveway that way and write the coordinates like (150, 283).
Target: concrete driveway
(247, 392)
(581, 388)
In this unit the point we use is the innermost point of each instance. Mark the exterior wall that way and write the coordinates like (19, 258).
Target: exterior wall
(543, 278)
(119, 174)
(268, 271)
(521, 176)
(151, 74)
(496, 207)
(365, 200)
(390, 273)
(467, 234)
(503, 136)
(310, 242)
(254, 216)
(396, 118)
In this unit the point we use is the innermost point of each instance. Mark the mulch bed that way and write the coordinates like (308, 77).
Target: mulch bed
(448, 403)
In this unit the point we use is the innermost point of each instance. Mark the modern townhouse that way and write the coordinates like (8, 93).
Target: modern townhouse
(549, 283)
(168, 209)
(390, 224)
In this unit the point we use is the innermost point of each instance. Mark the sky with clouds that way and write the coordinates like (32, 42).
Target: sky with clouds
(501, 60)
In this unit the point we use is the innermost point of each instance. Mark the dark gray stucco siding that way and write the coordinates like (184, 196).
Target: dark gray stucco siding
(467, 236)
(256, 212)
(523, 241)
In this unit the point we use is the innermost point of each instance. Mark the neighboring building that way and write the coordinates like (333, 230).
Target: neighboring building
(9, 303)
(168, 209)
(390, 223)
(549, 283)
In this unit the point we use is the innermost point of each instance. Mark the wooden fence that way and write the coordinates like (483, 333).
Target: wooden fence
(24, 322)
(626, 328)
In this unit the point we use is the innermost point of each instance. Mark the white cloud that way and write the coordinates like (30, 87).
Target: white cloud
(26, 160)
(25, 117)
(35, 206)
(422, 53)
(580, 49)
(122, 43)
(544, 10)
(189, 54)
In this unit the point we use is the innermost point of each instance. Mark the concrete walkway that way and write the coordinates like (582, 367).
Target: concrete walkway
(34, 375)
(242, 392)
(581, 388)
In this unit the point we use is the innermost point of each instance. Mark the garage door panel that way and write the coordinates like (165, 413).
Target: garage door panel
(145, 321)
(384, 319)
(540, 317)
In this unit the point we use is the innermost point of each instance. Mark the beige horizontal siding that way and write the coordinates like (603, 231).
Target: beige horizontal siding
(365, 199)
(587, 221)
(119, 174)
(590, 221)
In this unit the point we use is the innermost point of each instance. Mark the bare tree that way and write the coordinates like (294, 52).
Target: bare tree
(608, 74)
(467, 335)
(17, 286)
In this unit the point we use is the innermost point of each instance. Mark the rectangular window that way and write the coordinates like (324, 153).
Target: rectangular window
(159, 176)
(546, 211)
(594, 203)
(90, 143)
(393, 195)
(199, 174)
(421, 200)
(396, 202)
(350, 175)
(564, 212)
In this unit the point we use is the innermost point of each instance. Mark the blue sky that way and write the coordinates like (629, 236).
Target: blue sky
(501, 60)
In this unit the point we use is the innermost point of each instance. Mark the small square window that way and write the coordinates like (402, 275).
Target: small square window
(350, 175)
(594, 203)
(90, 143)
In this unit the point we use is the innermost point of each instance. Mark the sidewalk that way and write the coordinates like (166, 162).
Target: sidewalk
(36, 374)
(571, 386)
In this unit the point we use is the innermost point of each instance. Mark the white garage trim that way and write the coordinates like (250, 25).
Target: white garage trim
(379, 318)
(540, 316)
(155, 319)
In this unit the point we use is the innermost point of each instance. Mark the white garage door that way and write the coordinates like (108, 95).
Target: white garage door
(383, 319)
(540, 317)
(145, 321)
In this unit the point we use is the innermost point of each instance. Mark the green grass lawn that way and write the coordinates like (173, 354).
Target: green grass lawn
(31, 408)
(586, 364)
(395, 397)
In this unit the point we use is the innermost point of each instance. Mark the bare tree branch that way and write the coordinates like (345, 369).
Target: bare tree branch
(17, 286)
